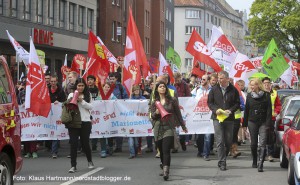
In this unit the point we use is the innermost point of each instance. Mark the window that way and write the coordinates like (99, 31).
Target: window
(118, 2)
(294, 106)
(14, 8)
(162, 27)
(147, 45)
(190, 29)
(113, 2)
(124, 10)
(118, 36)
(212, 19)
(170, 16)
(193, 14)
(207, 33)
(1, 7)
(207, 17)
(5, 96)
(113, 31)
(162, 5)
(188, 62)
(167, 14)
(39, 11)
(147, 18)
(27, 9)
(80, 19)
(62, 6)
(51, 12)
(90, 16)
(71, 16)
(170, 35)
(216, 21)
(167, 33)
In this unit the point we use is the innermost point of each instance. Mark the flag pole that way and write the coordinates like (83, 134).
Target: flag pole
(18, 70)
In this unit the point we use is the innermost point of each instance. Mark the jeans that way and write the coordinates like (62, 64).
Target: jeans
(132, 143)
(203, 144)
(223, 136)
(104, 142)
(236, 127)
(84, 134)
(54, 148)
(149, 142)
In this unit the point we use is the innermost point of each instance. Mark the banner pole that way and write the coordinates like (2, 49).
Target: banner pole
(18, 66)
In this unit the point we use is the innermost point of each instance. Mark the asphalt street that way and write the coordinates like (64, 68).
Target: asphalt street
(186, 169)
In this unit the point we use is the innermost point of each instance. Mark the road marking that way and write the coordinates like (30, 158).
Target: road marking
(83, 175)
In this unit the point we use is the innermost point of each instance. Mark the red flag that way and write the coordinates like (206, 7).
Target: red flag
(196, 68)
(154, 65)
(98, 64)
(36, 87)
(135, 61)
(198, 49)
(164, 67)
(78, 63)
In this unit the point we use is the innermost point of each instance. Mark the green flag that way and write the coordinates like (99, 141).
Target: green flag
(173, 56)
(273, 61)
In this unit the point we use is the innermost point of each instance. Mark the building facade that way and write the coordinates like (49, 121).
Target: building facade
(169, 24)
(57, 27)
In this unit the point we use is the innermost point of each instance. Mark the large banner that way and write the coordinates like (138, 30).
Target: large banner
(111, 118)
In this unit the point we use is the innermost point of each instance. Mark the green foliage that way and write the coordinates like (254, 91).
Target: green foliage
(278, 19)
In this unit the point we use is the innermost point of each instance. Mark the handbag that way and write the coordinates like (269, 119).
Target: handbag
(66, 115)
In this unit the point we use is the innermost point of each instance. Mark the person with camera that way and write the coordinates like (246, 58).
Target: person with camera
(164, 126)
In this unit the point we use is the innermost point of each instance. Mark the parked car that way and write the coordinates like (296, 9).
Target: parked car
(283, 93)
(10, 127)
(290, 145)
(289, 109)
(297, 168)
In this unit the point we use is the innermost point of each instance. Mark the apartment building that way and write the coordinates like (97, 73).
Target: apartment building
(58, 27)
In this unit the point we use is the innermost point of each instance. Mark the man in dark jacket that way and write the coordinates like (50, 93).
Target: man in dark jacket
(223, 99)
(56, 95)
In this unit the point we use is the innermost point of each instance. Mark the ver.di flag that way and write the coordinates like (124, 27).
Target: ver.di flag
(273, 61)
(173, 56)
(135, 61)
(37, 99)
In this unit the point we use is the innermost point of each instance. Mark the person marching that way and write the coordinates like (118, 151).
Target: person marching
(81, 128)
(258, 118)
(164, 129)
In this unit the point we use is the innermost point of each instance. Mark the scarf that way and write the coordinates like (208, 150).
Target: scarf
(257, 95)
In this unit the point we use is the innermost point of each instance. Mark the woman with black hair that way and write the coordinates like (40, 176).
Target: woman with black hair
(83, 129)
(164, 129)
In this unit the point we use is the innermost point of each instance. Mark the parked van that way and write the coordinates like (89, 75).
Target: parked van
(10, 127)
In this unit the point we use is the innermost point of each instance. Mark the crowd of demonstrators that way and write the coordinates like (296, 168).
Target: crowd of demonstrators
(164, 129)
(276, 108)
(56, 95)
(203, 140)
(183, 90)
(135, 143)
(83, 126)
(120, 93)
(223, 97)
(106, 93)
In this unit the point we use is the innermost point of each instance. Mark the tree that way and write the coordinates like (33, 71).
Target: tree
(278, 19)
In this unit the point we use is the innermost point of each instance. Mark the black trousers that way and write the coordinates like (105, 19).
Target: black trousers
(84, 134)
(236, 127)
(165, 145)
(256, 129)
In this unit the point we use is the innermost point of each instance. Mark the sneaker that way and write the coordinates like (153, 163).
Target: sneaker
(157, 155)
(206, 158)
(270, 158)
(103, 154)
(73, 170)
(174, 151)
(34, 155)
(28, 155)
(54, 156)
(131, 157)
(91, 165)
(69, 156)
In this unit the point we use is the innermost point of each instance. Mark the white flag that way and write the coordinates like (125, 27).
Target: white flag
(23, 55)
(164, 67)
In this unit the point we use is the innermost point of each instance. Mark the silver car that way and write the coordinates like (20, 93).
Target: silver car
(289, 109)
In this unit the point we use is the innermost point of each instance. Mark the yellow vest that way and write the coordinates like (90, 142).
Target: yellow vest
(273, 98)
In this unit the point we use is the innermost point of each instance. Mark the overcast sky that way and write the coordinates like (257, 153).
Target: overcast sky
(241, 4)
